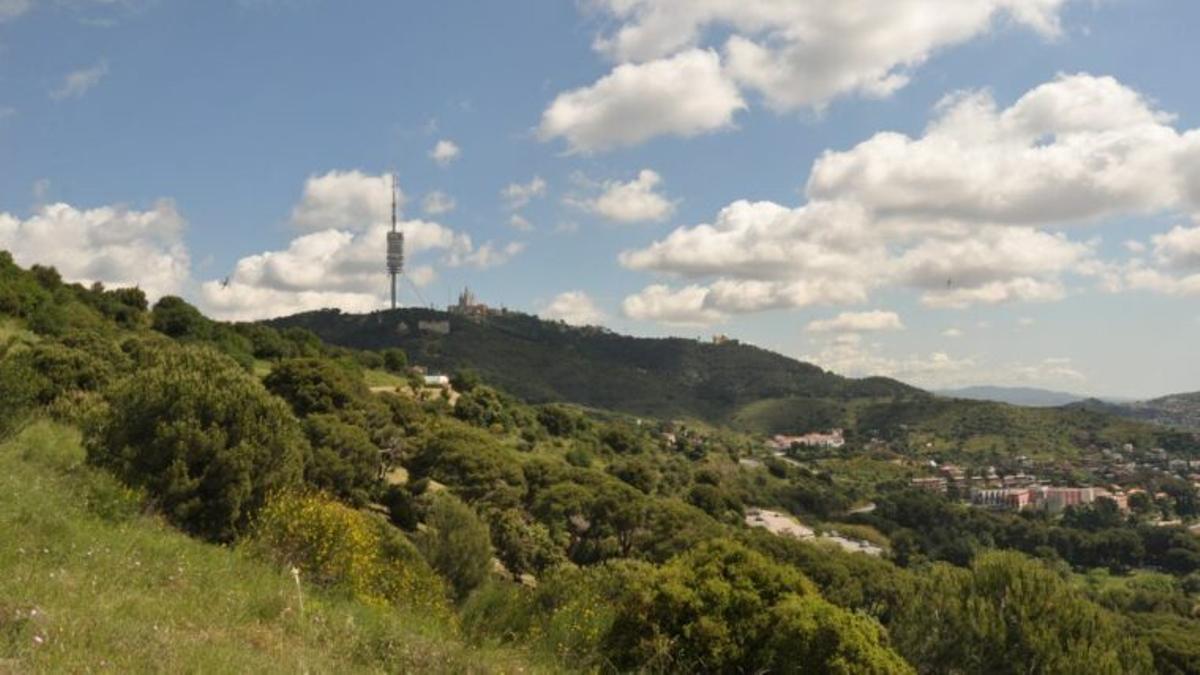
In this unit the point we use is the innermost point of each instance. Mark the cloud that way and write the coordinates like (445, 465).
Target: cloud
(436, 203)
(671, 78)
(520, 223)
(345, 200)
(79, 82)
(328, 268)
(858, 322)
(855, 359)
(1075, 150)
(485, 256)
(952, 333)
(11, 9)
(341, 263)
(633, 202)
(445, 152)
(114, 245)
(767, 256)
(682, 307)
(518, 195)
(970, 212)
(991, 265)
(941, 370)
(574, 307)
(684, 95)
(1178, 249)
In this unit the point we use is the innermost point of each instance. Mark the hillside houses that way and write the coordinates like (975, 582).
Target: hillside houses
(782, 443)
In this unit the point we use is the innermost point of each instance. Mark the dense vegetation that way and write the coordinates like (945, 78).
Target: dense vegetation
(1181, 411)
(541, 361)
(354, 524)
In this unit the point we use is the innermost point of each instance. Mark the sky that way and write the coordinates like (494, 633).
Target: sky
(995, 192)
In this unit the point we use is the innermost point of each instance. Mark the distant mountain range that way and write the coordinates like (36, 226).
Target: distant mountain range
(1026, 396)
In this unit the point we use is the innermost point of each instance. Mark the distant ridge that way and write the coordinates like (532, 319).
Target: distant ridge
(1179, 411)
(1027, 396)
(542, 360)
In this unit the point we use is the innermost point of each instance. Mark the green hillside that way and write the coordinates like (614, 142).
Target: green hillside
(1180, 411)
(546, 361)
(183, 494)
(741, 386)
(90, 584)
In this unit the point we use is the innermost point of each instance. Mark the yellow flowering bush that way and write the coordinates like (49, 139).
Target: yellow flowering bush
(336, 546)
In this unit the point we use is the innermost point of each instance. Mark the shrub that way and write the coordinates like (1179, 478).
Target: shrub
(456, 543)
(343, 459)
(523, 546)
(395, 360)
(1012, 614)
(313, 386)
(336, 546)
(174, 317)
(203, 438)
(473, 463)
(724, 608)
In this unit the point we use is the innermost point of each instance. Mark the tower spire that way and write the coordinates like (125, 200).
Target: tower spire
(395, 245)
(393, 201)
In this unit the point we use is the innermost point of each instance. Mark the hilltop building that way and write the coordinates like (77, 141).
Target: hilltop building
(468, 306)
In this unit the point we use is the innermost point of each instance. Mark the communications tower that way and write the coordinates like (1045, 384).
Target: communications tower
(395, 247)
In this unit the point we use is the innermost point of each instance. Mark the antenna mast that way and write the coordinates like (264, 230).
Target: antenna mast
(395, 246)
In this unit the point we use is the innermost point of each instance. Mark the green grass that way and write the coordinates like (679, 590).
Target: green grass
(382, 378)
(13, 329)
(87, 582)
(262, 368)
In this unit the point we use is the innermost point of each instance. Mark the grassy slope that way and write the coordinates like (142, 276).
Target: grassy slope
(89, 583)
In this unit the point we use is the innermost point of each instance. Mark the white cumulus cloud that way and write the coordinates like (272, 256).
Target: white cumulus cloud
(114, 245)
(345, 200)
(974, 211)
(671, 78)
(858, 322)
(518, 195)
(574, 307)
(341, 263)
(684, 95)
(445, 152)
(635, 201)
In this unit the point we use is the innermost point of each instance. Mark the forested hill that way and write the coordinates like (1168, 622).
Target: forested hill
(1181, 411)
(548, 361)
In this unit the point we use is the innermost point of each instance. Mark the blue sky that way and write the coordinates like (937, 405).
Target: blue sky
(1001, 193)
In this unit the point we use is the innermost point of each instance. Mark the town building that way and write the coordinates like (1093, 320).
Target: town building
(833, 439)
(930, 484)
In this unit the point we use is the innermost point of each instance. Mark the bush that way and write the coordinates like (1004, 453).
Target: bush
(314, 386)
(724, 608)
(473, 463)
(203, 438)
(343, 459)
(395, 360)
(336, 546)
(456, 543)
(174, 317)
(523, 546)
(1012, 614)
